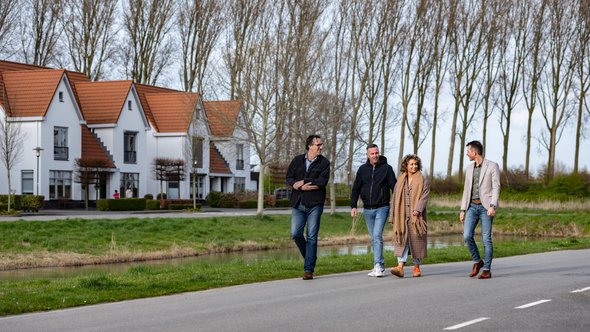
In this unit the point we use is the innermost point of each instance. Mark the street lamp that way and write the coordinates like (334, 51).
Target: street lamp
(38, 154)
(194, 183)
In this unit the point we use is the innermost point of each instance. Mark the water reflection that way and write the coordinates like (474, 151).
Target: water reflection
(246, 256)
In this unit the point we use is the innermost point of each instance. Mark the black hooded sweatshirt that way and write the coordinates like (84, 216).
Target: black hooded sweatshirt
(373, 184)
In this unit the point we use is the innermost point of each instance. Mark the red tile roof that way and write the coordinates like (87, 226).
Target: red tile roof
(142, 91)
(102, 102)
(93, 149)
(172, 112)
(222, 116)
(217, 164)
(29, 93)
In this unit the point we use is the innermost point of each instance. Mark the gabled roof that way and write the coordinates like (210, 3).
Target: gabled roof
(29, 92)
(217, 164)
(102, 102)
(222, 116)
(7, 66)
(142, 91)
(172, 112)
(93, 149)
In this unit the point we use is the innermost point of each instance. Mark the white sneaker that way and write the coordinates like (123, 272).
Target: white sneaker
(377, 271)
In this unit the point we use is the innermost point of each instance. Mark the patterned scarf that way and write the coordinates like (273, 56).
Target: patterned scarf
(397, 203)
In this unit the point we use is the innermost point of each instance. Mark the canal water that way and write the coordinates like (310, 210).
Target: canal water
(247, 256)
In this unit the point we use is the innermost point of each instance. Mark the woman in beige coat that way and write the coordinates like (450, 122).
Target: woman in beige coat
(408, 215)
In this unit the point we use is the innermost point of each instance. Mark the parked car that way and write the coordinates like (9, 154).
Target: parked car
(282, 193)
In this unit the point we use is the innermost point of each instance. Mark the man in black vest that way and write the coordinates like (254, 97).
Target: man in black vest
(308, 174)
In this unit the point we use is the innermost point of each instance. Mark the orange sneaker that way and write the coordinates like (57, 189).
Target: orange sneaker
(417, 272)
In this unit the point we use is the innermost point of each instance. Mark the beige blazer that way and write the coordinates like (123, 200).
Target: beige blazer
(489, 184)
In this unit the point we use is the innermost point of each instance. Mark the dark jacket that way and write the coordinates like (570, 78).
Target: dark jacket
(318, 174)
(373, 184)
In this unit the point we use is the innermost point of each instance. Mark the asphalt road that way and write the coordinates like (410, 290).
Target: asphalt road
(540, 292)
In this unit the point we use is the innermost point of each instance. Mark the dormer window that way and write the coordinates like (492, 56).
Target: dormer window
(129, 105)
(61, 96)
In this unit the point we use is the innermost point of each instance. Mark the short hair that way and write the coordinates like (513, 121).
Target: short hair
(309, 140)
(476, 146)
(404, 164)
(372, 145)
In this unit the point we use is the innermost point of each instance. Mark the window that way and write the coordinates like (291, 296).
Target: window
(240, 156)
(60, 143)
(61, 96)
(173, 190)
(60, 184)
(129, 105)
(239, 184)
(26, 182)
(129, 153)
(129, 186)
(197, 146)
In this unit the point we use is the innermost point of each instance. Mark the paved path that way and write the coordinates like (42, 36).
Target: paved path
(540, 292)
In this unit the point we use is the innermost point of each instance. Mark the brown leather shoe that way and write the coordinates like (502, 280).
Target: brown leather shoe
(485, 274)
(307, 275)
(476, 267)
(397, 271)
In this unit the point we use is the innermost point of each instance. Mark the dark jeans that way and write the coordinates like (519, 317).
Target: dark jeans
(308, 245)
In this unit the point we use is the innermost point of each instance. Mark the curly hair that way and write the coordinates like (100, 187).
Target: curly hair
(404, 164)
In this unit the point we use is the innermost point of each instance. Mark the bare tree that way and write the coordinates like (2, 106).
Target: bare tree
(534, 66)
(167, 169)
(8, 20)
(440, 45)
(512, 54)
(582, 72)
(11, 142)
(148, 48)
(466, 48)
(88, 27)
(200, 24)
(555, 99)
(40, 31)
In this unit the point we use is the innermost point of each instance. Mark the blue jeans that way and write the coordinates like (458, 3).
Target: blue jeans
(308, 245)
(474, 214)
(375, 219)
(404, 257)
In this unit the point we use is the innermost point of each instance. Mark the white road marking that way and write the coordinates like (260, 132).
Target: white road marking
(528, 305)
(458, 326)
(580, 290)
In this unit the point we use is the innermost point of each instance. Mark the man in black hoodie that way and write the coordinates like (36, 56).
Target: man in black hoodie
(374, 183)
(308, 174)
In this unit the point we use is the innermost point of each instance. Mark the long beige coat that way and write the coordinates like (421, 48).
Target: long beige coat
(417, 243)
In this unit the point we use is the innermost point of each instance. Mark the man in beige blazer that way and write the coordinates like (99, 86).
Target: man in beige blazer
(479, 203)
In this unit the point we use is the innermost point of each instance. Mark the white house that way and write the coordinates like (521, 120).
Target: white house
(64, 117)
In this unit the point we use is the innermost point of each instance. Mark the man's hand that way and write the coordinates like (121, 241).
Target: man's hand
(309, 186)
(353, 212)
(491, 212)
(297, 185)
(462, 216)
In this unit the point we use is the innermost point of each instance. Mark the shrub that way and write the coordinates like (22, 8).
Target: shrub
(213, 199)
(228, 200)
(249, 204)
(32, 203)
(445, 186)
(283, 203)
(571, 185)
(123, 204)
(270, 201)
(177, 206)
(148, 196)
(152, 204)
(342, 201)
(183, 203)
